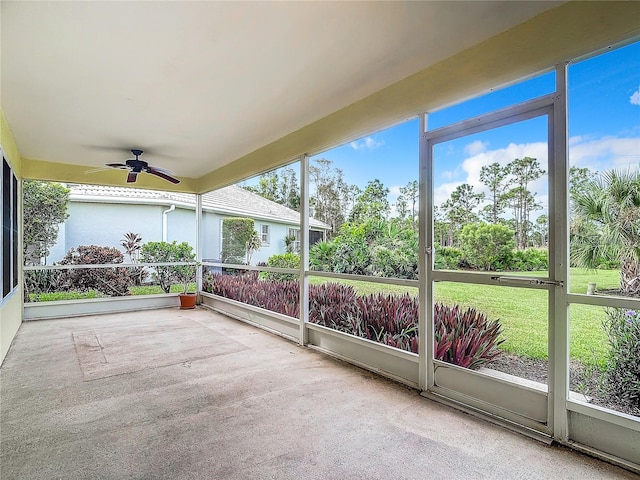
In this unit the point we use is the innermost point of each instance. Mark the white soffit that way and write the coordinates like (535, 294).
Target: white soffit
(200, 84)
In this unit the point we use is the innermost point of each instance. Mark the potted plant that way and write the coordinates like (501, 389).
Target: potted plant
(186, 274)
(166, 275)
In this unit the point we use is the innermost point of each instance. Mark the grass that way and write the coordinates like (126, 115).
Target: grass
(75, 295)
(155, 289)
(55, 296)
(522, 312)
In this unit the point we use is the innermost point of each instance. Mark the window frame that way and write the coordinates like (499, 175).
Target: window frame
(265, 236)
(9, 186)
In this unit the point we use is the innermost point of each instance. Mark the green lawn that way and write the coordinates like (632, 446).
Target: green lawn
(136, 290)
(155, 289)
(522, 312)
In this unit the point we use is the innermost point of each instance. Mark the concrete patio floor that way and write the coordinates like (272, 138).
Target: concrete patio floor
(196, 395)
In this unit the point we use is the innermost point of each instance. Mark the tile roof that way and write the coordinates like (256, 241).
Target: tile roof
(231, 200)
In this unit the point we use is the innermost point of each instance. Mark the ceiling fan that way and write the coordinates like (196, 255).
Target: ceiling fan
(136, 166)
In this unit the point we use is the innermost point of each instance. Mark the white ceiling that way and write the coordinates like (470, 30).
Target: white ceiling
(200, 84)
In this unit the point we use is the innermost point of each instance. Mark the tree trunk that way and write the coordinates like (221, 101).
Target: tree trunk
(630, 277)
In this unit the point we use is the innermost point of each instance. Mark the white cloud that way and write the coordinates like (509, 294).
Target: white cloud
(594, 153)
(395, 190)
(471, 166)
(474, 148)
(605, 152)
(368, 143)
(635, 98)
(448, 174)
(474, 164)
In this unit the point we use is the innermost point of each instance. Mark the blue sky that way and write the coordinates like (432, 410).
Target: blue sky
(604, 120)
(604, 131)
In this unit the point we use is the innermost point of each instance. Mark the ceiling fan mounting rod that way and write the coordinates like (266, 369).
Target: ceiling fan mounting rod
(136, 152)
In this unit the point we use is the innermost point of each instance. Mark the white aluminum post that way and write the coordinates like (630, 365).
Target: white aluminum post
(558, 261)
(304, 249)
(425, 289)
(199, 242)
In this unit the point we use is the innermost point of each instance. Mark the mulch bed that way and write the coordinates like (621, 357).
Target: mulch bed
(582, 380)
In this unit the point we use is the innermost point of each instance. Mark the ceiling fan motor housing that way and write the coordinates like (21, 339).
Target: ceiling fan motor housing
(137, 165)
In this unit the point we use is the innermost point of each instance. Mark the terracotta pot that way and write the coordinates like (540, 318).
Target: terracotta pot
(187, 301)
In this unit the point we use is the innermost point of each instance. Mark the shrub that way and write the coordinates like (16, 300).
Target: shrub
(487, 247)
(37, 282)
(236, 234)
(395, 261)
(530, 259)
(160, 252)
(465, 338)
(622, 375)
(285, 260)
(322, 256)
(110, 281)
(448, 258)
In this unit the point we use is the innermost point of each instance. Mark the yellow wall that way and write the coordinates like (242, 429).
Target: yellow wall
(11, 309)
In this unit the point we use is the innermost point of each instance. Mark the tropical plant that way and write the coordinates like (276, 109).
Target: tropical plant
(253, 244)
(290, 244)
(379, 247)
(465, 338)
(322, 256)
(606, 225)
(132, 242)
(164, 252)
(280, 297)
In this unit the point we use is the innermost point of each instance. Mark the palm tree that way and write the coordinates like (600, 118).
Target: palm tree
(606, 225)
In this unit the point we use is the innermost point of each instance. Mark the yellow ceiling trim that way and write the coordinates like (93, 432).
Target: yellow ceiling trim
(67, 173)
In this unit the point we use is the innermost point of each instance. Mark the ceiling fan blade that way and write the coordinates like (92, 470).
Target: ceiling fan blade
(162, 170)
(132, 176)
(163, 175)
(94, 170)
(117, 165)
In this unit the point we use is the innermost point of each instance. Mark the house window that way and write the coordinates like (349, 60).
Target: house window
(294, 243)
(264, 234)
(9, 193)
(315, 236)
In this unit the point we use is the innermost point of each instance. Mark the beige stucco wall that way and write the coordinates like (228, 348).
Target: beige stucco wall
(11, 308)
